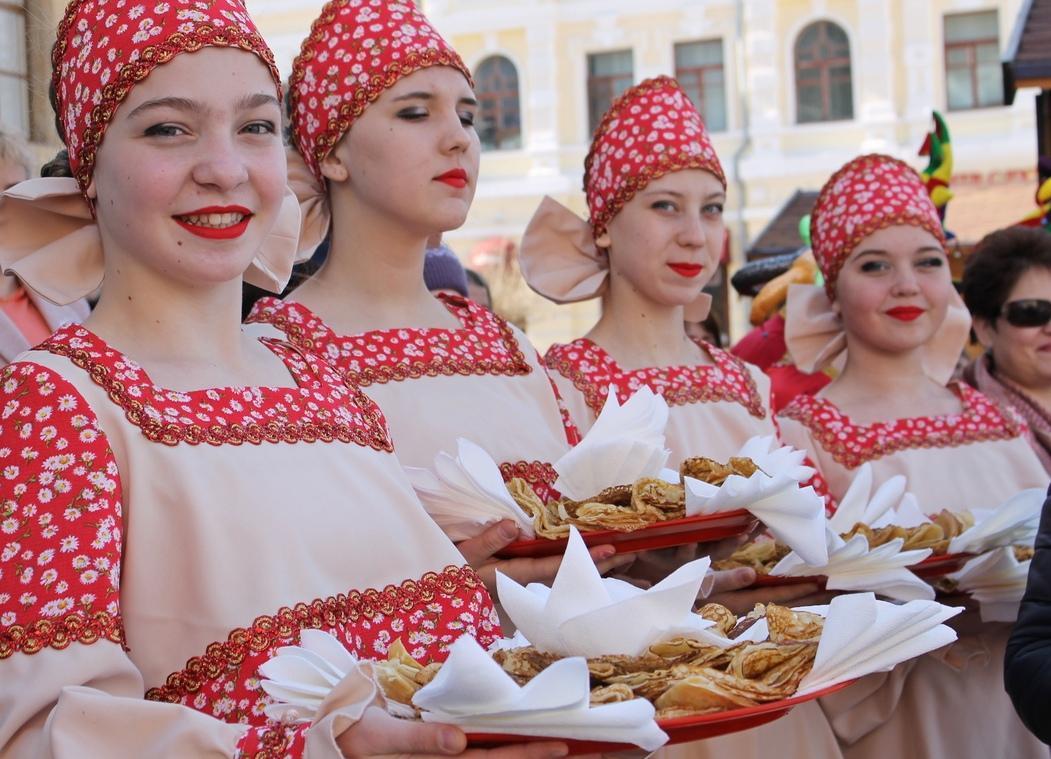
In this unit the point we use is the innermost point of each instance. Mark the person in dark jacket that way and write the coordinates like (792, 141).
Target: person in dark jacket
(1027, 667)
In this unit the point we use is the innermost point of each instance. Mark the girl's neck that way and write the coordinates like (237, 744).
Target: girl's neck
(640, 333)
(185, 337)
(877, 386)
(372, 278)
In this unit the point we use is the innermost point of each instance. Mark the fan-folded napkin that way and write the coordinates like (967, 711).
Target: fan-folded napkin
(794, 515)
(466, 492)
(625, 444)
(473, 692)
(584, 614)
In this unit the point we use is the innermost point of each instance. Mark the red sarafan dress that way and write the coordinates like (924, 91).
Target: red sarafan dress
(976, 458)
(165, 543)
(483, 382)
(714, 408)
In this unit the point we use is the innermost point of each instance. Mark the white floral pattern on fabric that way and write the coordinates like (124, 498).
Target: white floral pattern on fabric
(60, 517)
(322, 407)
(427, 615)
(357, 49)
(650, 130)
(851, 445)
(62, 532)
(485, 345)
(105, 47)
(592, 370)
(869, 193)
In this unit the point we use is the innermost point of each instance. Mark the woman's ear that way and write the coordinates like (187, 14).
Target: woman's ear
(985, 331)
(91, 192)
(334, 168)
(603, 241)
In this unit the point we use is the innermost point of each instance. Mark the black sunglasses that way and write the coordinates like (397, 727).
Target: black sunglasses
(1029, 312)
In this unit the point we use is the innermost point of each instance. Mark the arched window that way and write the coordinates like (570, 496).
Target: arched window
(822, 62)
(496, 86)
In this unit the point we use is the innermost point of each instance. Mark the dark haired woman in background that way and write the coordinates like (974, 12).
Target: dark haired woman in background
(1007, 287)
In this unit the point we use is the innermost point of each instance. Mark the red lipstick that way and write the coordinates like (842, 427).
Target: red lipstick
(906, 313)
(456, 178)
(687, 270)
(198, 222)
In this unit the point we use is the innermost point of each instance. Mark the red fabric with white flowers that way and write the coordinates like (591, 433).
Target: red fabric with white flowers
(851, 445)
(651, 130)
(105, 47)
(592, 370)
(869, 193)
(357, 49)
(62, 527)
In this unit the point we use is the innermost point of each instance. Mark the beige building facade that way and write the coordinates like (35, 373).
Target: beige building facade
(791, 89)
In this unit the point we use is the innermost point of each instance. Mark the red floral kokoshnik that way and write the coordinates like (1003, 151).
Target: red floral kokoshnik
(356, 50)
(651, 130)
(106, 47)
(869, 193)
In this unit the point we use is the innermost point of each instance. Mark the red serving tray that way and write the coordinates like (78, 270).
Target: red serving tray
(930, 568)
(679, 730)
(676, 532)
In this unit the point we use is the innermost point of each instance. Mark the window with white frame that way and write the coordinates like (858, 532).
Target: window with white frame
(496, 86)
(973, 75)
(609, 74)
(824, 91)
(699, 69)
(14, 68)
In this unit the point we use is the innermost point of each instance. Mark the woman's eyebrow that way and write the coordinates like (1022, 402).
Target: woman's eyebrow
(177, 103)
(248, 102)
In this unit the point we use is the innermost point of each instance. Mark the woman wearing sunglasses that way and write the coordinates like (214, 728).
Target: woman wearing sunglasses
(891, 320)
(1007, 287)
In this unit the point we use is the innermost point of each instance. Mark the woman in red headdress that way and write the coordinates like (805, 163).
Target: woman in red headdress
(890, 318)
(382, 113)
(655, 191)
(179, 499)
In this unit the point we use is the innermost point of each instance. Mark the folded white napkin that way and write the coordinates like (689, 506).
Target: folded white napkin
(794, 515)
(584, 614)
(625, 443)
(997, 581)
(472, 691)
(1014, 523)
(863, 635)
(466, 492)
(906, 514)
(859, 504)
(299, 677)
(852, 565)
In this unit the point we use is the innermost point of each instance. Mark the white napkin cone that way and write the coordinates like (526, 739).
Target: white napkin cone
(863, 635)
(466, 493)
(584, 614)
(794, 515)
(1015, 522)
(300, 677)
(852, 565)
(997, 581)
(473, 692)
(625, 444)
(859, 504)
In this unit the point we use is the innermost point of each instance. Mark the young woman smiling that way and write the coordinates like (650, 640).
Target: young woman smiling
(180, 499)
(386, 130)
(656, 191)
(889, 314)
